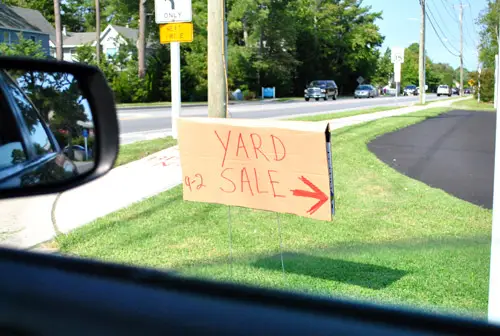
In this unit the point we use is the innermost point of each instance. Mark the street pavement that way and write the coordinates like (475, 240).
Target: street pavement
(454, 152)
(148, 123)
(119, 188)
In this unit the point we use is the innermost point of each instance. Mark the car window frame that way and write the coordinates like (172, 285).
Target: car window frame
(21, 128)
(32, 158)
(31, 151)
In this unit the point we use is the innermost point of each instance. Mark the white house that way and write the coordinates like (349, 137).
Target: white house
(111, 39)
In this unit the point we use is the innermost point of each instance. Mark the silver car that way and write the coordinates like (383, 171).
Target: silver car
(365, 91)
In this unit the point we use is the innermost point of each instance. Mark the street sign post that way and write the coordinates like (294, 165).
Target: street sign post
(360, 80)
(397, 57)
(174, 18)
(85, 134)
(167, 11)
(176, 32)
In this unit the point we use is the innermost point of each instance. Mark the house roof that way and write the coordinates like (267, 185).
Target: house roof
(25, 19)
(129, 33)
(77, 39)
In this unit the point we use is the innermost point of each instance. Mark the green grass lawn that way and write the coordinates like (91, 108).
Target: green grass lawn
(141, 149)
(472, 104)
(393, 239)
(338, 115)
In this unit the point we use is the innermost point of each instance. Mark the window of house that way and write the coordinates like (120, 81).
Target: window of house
(6, 37)
(111, 52)
(33, 38)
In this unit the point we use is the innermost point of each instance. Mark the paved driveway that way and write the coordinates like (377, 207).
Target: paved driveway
(454, 152)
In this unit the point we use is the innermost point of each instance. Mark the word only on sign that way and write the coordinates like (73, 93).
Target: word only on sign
(270, 165)
(167, 11)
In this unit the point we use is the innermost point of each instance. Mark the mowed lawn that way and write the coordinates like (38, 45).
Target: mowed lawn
(393, 239)
(472, 104)
(345, 114)
(141, 149)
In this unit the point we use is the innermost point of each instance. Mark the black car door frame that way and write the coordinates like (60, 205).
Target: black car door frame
(32, 158)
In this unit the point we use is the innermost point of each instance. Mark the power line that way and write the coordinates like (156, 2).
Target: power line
(446, 10)
(470, 37)
(439, 37)
(471, 18)
(439, 27)
(436, 10)
(474, 40)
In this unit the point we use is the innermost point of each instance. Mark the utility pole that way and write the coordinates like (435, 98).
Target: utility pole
(141, 43)
(98, 32)
(461, 49)
(421, 55)
(494, 285)
(217, 85)
(59, 38)
(479, 84)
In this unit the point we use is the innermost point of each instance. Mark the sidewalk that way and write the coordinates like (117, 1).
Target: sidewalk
(26, 222)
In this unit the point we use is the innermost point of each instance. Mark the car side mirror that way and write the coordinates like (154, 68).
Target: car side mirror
(58, 126)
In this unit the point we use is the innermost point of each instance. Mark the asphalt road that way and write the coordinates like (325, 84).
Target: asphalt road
(151, 122)
(454, 152)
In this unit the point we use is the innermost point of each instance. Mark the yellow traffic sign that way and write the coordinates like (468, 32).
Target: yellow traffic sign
(176, 32)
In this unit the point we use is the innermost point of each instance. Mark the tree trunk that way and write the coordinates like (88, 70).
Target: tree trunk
(98, 32)
(141, 43)
(59, 38)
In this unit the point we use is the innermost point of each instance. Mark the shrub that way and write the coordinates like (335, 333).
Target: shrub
(249, 95)
(81, 141)
(487, 85)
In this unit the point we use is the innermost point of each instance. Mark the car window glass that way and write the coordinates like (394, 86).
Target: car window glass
(38, 134)
(11, 146)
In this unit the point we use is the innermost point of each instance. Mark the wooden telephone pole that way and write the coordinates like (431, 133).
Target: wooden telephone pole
(141, 43)
(421, 55)
(217, 85)
(59, 38)
(461, 18)
(98, 32)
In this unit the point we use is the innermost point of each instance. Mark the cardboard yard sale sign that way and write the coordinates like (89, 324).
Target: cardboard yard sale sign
(270, 165)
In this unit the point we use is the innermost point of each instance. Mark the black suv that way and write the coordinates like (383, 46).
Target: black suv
(321, 89)
(29, 152)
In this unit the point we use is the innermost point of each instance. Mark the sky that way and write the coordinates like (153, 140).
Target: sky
(400, 25)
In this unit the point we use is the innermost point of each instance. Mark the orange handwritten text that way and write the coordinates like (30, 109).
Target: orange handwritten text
(196, 181)
(241, 146)
(251, 182)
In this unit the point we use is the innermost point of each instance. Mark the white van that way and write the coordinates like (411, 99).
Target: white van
(444, 90)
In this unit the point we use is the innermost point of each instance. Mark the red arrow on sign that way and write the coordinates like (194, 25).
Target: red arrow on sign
(316, 193)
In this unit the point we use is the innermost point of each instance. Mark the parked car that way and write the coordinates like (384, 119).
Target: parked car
(444, 90)
(455, 91)
(365, 91)
(321, 89)
(29, 152)
(467, 91)
(410, 90)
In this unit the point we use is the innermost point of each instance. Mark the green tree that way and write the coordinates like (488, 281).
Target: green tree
(24, 47)
(384, 70)
(489, 34)
(409, 69)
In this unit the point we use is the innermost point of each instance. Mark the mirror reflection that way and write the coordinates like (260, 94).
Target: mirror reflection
(46, 128)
